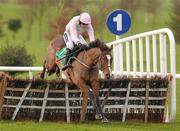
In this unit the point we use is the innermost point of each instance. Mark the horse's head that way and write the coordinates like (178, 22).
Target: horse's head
(104, 58)
(105, 61)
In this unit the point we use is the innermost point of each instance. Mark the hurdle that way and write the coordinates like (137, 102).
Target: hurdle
(147, 44)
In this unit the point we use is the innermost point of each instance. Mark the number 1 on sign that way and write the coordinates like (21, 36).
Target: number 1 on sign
(118, 20)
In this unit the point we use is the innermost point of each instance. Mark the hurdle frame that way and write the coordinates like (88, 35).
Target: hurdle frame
(163, 34)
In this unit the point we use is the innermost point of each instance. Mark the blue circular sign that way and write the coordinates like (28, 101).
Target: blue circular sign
(118, 22)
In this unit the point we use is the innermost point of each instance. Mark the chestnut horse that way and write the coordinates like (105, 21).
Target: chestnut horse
(85, 68)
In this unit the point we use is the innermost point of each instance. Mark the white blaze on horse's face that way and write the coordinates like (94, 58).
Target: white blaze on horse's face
(109, 63)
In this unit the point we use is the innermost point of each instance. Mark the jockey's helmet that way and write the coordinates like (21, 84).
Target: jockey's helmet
(85, 18)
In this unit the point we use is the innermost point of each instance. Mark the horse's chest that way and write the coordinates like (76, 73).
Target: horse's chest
(85, 74)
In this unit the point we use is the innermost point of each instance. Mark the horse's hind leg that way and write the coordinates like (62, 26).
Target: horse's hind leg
(43, 72)
(57, 70)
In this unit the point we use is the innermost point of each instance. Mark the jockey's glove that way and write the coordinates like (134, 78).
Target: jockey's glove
(79, 44)
(83, 46)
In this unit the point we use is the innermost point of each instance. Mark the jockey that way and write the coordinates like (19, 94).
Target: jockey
(72, 35)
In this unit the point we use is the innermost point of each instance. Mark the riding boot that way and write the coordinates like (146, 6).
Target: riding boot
(66, 63)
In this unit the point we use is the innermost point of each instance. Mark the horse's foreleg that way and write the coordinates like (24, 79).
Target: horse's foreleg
(91, 96)
(84, 105)
(84, 90)
(99, 113)
(93, 100)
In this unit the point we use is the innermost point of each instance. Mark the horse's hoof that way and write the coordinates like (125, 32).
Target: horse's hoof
(58, 75)
(104, 120)
(98, 116)
(40, 77)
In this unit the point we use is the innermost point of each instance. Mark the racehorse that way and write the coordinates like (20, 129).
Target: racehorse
(85, 69)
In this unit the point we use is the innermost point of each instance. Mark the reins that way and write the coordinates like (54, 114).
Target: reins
(87, 66)
(82, 63)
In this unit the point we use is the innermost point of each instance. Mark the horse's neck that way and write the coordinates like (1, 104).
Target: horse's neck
(93, 53)
(87, 58)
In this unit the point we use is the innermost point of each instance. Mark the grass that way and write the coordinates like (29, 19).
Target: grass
(37, 48)
(87, 126)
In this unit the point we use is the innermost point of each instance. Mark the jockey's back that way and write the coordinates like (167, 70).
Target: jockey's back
(74, 29)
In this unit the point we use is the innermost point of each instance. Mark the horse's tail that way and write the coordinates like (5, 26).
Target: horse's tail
(43, 72)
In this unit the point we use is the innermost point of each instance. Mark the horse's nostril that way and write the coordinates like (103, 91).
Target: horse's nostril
(107, 76)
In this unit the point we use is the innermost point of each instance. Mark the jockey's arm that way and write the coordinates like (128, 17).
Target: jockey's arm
(90, 32)
(74, 35)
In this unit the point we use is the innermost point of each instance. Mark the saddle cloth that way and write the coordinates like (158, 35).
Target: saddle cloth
(60, 55)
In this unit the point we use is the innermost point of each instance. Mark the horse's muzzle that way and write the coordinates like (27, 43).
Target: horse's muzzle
(107, 76)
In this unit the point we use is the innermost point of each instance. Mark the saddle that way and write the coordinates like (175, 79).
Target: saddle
(60, 55)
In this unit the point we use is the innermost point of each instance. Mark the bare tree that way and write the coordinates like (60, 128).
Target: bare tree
(59, 6)
(36, 10)
(99, 12)
(4, 1)
(29, 16)
(41, 8)
(151, 7)
(66, 10)
(131, 6)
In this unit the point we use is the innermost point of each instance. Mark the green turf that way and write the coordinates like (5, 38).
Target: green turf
(87, 126)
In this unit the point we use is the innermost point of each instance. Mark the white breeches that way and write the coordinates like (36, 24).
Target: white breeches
(69, 42)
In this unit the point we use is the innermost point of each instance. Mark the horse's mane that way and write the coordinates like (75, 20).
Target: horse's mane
(99, 44)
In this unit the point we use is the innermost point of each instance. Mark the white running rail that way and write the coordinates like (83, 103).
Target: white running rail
(22, 68)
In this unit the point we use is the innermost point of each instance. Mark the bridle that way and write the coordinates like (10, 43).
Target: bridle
(109, 57)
